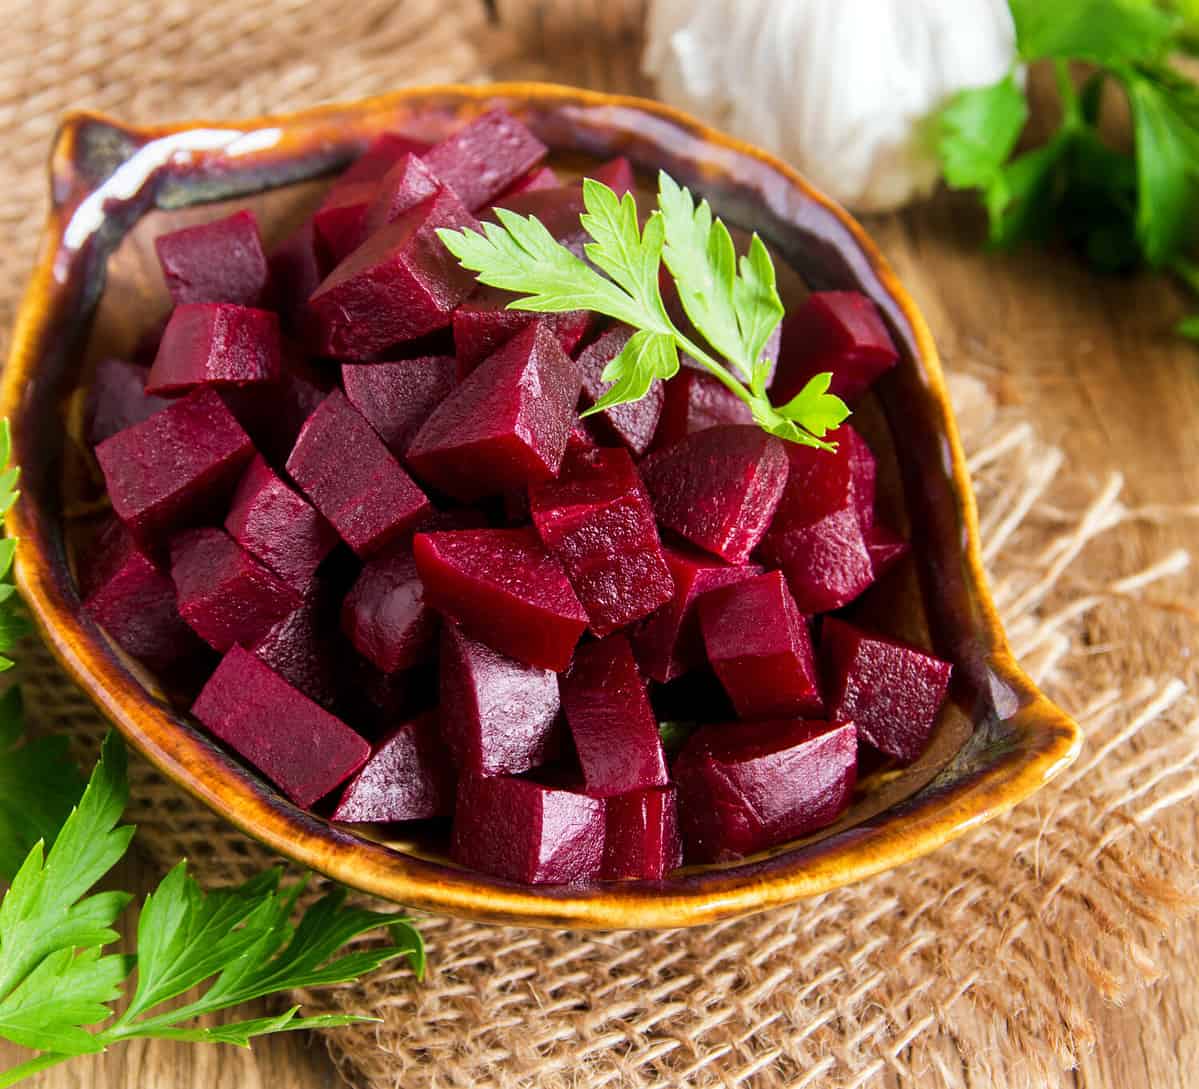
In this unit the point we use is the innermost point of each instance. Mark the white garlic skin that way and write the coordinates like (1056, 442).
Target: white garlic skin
(839, 88)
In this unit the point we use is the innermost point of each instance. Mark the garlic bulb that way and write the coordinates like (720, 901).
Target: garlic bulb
(839, 88)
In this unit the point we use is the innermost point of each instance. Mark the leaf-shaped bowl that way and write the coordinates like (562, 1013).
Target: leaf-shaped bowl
(96, 289)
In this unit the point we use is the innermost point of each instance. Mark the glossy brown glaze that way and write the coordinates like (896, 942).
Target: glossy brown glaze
(998, 741)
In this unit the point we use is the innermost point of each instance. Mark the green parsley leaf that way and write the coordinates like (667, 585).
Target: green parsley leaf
(977, 131)
(1189, 327)
(645, 358)
(1105, 32)
(820, 410)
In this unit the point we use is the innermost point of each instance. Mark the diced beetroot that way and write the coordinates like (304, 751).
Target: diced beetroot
(525, 831)
(295, 272)
(299, 746)
(276, 526)
(541, 178)
(397, 398)
(215, 262)
(558, 211)
(759, 647)
(597, 520)
(382, 154)
(385, 615)
(132, 600)
(339, 223)
(485, 156)
(351, 477)
(616, 174)
(174, 468)
(642, 839)
(506, 425)
(375, 701)
(670, 643)
(837, 331)
(634, 422)
(748, 786)
(611, 721)
(400, 284)
(718, 488)
(225, 595)
(400, 190)
(300, 650)
(863, 471)
(483, 324)
(117, 399)
(409, 777)
(695, 401)
(216, 344)
(503, 587)
(886, 549)
(889, 690)
(497, 714)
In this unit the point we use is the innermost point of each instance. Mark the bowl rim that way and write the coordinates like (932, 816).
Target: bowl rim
(408, 879)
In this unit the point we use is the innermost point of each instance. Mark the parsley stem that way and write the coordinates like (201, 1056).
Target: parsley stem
(1068, 93)
(27, 1069)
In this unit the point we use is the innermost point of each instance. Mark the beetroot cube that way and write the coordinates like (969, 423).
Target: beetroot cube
(483, 324)
(385, 615)
(611, 721)
(485, 156)
(695, 401)
(759, 647)
(215, 262)
(400, 190)
(616, 174)
(276, 526)
(374, 701)
(400, 284)
(216, 344)
(300, 650)
(841, 332)
(889, 690)
(299, 746)
(351, 477)
(497, 714)
(718, 488)
(749, 786)
(409, 777)
(504, 588)
(295, 272)
(541, 178)
(339, 224)
(397, 398)
(558, 210)
(642, 839)
(634, 422)
(117, 399)
(175, 467)
(132, 600)
(670, 643)
(528, 832)
(382, 154)
(863, 472)
(597, 519)
(506, 425)
(885, 547)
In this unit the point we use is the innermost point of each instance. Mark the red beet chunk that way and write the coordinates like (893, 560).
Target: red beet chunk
(596, 518)
(483, 324)
(891, 691)
(215, 262)
(863, 471)
(117, 399)
(132, 600)
(382, 154)
(397, 398)
(485, 156)
(837, 331)
(616, 174)
(300, 650)
(385, 616)
(670, 643)
(295, 272)
(748, 786)
(174, 468)
(695, 401)
(216, 344)
(558, 210)
(225, 595)
(528, 832)
(642, 838)
(718, 488)
(400, 284)
(276, 526)
(497, 714)
(885, 547)
(611, 721)
(409, 777)
(541, 178)
(340, 222)
(506, 425)
(400, 190)
(633, 423)
(351, 477)
(299, 746)
(504, 588)
(759, 647)
(375, 701)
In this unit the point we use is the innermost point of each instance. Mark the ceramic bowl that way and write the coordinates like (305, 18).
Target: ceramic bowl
(96, 289)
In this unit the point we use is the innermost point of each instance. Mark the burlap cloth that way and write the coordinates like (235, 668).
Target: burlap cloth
(1015, 923)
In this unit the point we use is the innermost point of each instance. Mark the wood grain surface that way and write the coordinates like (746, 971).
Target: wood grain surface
(1094, 367)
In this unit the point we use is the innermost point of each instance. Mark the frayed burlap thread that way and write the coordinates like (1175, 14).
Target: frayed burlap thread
(1019, 922)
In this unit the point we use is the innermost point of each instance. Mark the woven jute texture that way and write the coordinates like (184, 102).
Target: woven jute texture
(1018, 924)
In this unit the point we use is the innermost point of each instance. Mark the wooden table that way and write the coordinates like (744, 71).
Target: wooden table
(1094, 366)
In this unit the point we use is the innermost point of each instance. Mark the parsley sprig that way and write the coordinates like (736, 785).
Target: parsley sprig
(732, 302)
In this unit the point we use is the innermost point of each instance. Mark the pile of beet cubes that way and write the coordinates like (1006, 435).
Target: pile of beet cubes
(356, 512)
